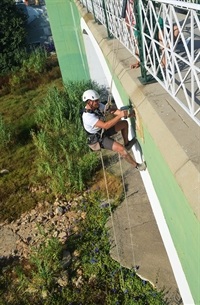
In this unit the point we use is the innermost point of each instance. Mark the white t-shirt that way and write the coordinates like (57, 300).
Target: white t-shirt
(90, 119)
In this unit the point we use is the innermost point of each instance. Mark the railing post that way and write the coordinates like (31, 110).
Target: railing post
(106, 19)
(145, 78)
(94, 11)
(87, 6)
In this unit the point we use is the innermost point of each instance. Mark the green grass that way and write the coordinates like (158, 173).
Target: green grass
(44, 143)
(18, 156)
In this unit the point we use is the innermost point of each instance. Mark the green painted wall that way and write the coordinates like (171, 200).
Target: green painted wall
(181, 220)
(65, 26)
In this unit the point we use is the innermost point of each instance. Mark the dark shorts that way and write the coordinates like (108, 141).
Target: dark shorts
(107, 142)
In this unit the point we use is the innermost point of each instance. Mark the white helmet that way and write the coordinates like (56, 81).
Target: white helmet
(90, 95)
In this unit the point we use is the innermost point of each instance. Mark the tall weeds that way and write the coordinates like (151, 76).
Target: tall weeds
(31, 64)
(64, 158)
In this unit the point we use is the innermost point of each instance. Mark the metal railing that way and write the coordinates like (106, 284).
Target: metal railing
(165, 38)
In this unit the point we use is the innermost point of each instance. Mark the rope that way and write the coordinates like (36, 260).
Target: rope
(126, 201)
(112, 72)
(123, 182)
(111, 214)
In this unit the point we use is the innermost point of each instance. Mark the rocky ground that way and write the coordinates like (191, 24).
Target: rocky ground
(133, 227)
(57, 220)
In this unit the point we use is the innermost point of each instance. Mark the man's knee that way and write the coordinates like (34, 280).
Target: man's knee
(121, 150)
(121, 125)
(117, 147)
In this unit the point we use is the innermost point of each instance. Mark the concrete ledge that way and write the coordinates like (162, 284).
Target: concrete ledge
(173, 131)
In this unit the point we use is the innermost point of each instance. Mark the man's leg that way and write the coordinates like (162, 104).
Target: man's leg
(109, 143)
(117, 147)
(123, 127)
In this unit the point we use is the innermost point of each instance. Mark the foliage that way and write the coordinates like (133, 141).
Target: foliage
(12, 34)
(18, 153)
(91, 277)
(64, 158)
(31, 66)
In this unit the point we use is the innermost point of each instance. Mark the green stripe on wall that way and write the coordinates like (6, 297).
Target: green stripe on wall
(65, 26)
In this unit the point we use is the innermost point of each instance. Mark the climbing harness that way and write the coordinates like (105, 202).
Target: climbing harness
(94, 140)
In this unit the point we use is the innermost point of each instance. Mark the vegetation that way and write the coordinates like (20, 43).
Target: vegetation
(43, 148)
(64, 158)
(18, 104)
(12, 34)
(89, 277)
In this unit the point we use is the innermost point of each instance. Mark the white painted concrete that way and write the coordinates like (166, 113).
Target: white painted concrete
(96, 71)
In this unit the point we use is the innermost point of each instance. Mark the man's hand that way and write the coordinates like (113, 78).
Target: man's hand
(121, 113)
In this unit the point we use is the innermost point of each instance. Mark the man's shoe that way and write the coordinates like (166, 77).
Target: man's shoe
(130, 144)
(141, 166)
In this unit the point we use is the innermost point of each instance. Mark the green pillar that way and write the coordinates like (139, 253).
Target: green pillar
(65, 26)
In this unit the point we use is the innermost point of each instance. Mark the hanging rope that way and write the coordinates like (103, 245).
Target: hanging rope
(109, 102)
(111, 215)
(127, 211)
(104, 172)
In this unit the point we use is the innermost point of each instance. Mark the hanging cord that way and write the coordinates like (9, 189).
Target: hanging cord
(109, 101)
(111, 215)
(114, 59)
(127, 211)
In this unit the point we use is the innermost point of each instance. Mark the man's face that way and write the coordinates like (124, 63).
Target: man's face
(94, 104)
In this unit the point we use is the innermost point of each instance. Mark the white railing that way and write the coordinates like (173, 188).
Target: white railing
(164, 36)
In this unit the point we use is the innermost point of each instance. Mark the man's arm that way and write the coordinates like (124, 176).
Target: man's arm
(106, 125)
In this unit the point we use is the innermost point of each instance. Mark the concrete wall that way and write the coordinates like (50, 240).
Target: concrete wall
(169, 138)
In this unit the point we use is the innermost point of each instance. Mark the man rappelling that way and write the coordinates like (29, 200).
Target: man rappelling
(100, 130)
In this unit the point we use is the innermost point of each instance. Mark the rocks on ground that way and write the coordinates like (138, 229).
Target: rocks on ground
(58, 220)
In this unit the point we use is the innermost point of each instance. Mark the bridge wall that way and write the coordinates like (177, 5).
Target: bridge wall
(169, 139)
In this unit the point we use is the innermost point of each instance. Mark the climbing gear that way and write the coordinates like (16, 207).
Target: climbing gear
(130, 143)
(141, 166)
(129, 108)
(90, 95)
(94, 140)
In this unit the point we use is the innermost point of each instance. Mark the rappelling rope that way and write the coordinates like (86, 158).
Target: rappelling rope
(104, 172)
(114, 59)
(111, 215)
(127, 211)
